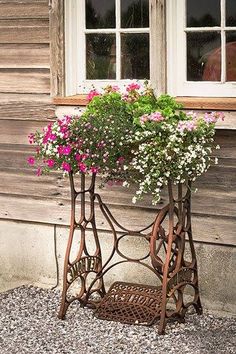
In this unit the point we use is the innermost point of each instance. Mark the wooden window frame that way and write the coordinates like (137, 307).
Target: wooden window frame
(177, 83)
(157, 50)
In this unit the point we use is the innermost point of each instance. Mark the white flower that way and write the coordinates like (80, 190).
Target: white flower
(216, 161)
(134, 200)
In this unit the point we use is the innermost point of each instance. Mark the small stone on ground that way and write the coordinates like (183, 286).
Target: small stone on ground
(29, 324)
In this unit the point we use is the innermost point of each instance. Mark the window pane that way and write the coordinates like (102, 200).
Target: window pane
(230, 13)
(100, 14)
(134, 13)
(231, 56)
(202, 13)
(203, 56)
(135, 56)
(100, 56)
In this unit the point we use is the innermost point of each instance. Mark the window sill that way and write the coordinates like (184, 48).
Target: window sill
(208, 103)
(76, 100)
(205, 103)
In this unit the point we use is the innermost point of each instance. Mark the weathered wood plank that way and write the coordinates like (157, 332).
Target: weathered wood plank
(210, 103)
(26, 107)
(23, 9)
(25, 81)
(16, 132)
(24, 56)
(207, 201)
(24, 31)
(212, 229)
(57, 41)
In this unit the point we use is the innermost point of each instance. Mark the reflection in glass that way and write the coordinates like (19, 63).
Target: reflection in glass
(100, 14)
(203, 56)
(202, 13)
(231, 56)
(230, 13)
(100, 56)
(134, 13)
(135, 56)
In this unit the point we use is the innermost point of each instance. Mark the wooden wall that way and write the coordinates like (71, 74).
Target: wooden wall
(25, 105)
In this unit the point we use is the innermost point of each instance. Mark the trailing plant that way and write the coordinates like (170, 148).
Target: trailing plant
(129, 136)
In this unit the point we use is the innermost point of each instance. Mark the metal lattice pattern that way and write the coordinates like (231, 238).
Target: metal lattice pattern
(131, 303)
(126, 302)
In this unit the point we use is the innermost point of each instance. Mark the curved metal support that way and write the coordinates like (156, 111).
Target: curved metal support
(166, 253)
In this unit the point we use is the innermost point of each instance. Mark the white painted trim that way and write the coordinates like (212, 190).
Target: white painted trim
(177, 84)
(75, 48)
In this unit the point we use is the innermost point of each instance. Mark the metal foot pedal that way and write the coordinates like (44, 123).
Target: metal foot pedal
(131, 303)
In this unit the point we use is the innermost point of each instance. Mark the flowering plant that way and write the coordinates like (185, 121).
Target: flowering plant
(129, 136)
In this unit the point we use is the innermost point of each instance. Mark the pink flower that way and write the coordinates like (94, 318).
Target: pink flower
(31, 160)
(31, 138)
(78, 157)
(144, 118)
(82, 167)
(66, 166)
(110, 183)
(94, 169)
(186, 125)
(60, 149)
(65, 120)
(84, 156)
(52, 137)
(156, 117)
(50, 163)
(120, 160)
(213, 117)
(67, 150)
(92, 94)
(133, 86)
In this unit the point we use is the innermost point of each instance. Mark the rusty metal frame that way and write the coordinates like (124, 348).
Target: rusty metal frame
(126, 302)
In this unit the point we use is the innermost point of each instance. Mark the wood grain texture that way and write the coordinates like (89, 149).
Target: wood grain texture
(75, 100)
(25, 107)
(25, 81)
(158, 45)
(57, 45)
(24, 56)
(16, 132)
(54, 211)
(209, 103)
(24, 31)
(23, 9)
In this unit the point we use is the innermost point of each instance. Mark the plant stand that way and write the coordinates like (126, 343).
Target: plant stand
(130, 302)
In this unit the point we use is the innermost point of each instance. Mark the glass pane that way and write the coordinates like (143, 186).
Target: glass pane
(202, 13)
(135, 56)
(100, 56)
(100, 14)
(203, 56)
(230, 13)
(231, 56)
(134, 13)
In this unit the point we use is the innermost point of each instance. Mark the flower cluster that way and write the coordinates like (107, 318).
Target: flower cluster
(129, 136)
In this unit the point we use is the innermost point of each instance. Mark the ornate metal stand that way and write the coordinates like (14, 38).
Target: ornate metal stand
(130, 302)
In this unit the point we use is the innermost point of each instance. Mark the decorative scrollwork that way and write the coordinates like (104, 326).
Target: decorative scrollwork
(128, 302)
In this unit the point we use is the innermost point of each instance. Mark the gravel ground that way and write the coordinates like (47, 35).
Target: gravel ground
(29, 324)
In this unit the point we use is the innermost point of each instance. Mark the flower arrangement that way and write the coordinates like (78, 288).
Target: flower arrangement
(129, 136)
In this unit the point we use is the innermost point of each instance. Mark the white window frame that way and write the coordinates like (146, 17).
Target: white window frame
(177, 84)
(75, 62)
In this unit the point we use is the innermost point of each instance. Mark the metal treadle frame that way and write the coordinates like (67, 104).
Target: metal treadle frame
(129, 302)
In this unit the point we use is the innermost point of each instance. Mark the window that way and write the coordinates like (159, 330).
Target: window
(106, 41)
(201, 37)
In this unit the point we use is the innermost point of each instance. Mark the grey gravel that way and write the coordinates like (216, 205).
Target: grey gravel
(29, 324)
